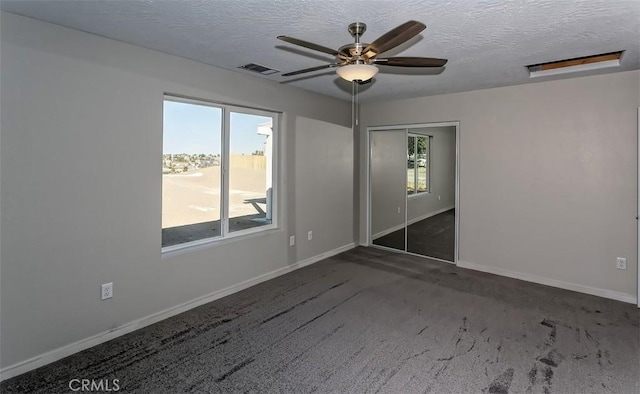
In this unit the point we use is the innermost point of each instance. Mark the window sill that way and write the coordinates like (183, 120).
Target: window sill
(187, 247)
(417, 195)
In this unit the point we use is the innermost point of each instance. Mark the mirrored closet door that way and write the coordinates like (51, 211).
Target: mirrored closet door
(413, 190)
(387, 185)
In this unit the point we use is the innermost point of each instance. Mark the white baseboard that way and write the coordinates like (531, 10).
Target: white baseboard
(414, 220)
(323, 256)
(614, 295)
(67, 350)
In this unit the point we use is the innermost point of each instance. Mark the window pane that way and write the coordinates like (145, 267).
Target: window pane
(250, 170)
(190, 172)
(421, 163)
(411, 165)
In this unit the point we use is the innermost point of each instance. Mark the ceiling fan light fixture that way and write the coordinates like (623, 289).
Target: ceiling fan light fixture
(357, 72)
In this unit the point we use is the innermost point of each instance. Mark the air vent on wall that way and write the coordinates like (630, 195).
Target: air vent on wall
(585, 63)
(259, 69)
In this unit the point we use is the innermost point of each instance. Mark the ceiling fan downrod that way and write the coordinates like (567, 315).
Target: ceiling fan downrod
(356, 30)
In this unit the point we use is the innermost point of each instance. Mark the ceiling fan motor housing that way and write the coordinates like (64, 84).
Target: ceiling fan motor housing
(354, 52)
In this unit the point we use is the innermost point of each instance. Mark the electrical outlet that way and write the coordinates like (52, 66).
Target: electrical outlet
(398, 209)
(438, 198)
(107, 290)
(310, 235)
(292, 240)
(621, 263)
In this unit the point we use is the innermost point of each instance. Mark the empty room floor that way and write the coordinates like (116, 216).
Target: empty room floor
(433, 237)
(370, 320)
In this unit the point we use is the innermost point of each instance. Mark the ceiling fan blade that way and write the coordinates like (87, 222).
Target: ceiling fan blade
(308, 45)
(307, 70)
(411, 62)
(395, 37)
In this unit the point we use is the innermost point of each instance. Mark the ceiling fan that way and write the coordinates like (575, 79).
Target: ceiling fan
(356, 62)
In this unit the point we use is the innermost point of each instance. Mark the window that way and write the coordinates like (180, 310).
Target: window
(217, 171)
(418, 164)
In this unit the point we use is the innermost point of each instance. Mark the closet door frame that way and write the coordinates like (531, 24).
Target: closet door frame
(405, 129)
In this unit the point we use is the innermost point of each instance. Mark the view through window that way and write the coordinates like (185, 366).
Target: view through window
(200, 199)
(418, 163)
(250, 170)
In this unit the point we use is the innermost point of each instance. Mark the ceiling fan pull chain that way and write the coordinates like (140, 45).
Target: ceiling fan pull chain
(354, 123)
(356, 86)
(355, 104)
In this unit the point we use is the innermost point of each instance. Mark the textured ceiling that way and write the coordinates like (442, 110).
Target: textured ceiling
(488, 42)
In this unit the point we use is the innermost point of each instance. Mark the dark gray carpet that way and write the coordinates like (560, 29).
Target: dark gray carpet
(369, 320)
(394, 240)
(433, 237)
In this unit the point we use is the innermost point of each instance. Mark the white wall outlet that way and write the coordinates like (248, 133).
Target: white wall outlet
(310, 235)
(292, 240)
(398, 209)
(438, 198)
(107, 290)
(621, 263)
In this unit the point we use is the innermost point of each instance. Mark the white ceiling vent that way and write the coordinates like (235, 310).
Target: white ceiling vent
(259, 69)
(585, 63)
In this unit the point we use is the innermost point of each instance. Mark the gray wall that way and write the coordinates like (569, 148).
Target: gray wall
(81, 184)
(324, 185)
(547, 175)
(442, 174)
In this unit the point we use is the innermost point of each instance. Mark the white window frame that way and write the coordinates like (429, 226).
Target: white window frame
(225, 235)
(416, 193)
